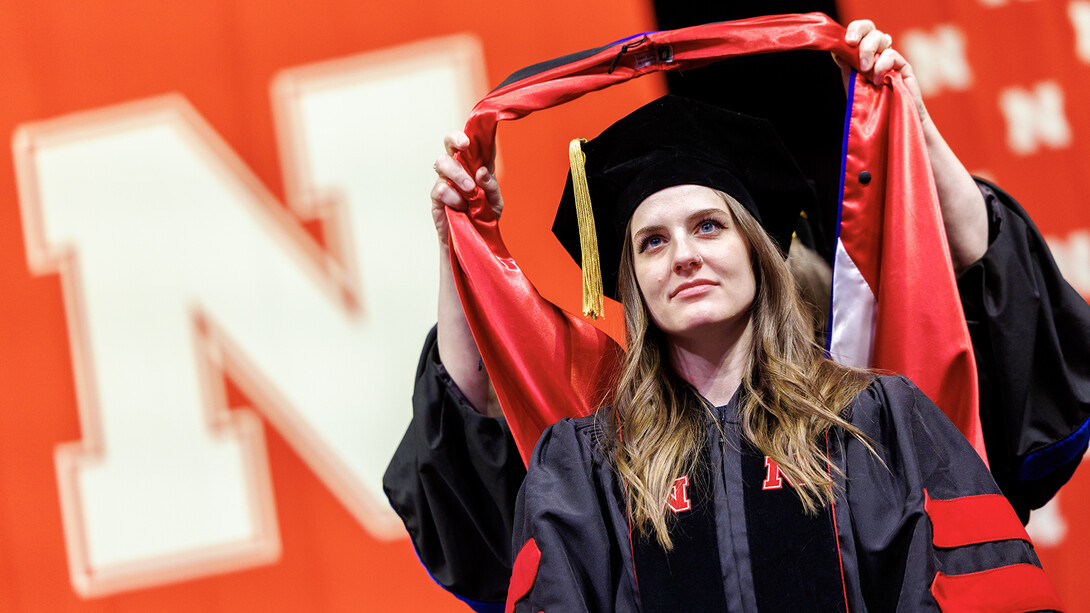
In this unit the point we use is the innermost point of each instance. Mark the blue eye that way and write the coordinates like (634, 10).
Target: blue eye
(709, 226)
(650, 242)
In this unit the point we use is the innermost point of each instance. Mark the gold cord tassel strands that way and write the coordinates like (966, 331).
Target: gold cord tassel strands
(593, 301)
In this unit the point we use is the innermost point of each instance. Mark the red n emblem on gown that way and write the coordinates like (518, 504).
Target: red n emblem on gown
(774, 477)
(679, 495)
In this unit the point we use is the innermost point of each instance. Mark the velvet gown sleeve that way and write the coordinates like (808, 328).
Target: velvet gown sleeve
(929, 528)
(569, 516)
(1031, 334)
(453, 481)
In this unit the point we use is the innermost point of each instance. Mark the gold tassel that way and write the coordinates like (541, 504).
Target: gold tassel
(588, 237)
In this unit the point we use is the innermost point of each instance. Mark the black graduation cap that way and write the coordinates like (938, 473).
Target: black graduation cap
(671, 141)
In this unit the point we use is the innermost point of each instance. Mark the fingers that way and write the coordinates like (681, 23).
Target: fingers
(449, 169)
(871, 46)
(454, 185)
(450, 174)
(443, 195)
(455, 141)
(876, 51)
(871, 41)
(491, 188)
(857, 30)
(889, 60)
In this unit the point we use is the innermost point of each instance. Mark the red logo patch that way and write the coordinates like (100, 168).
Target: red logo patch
(774, 477)
(679, 495)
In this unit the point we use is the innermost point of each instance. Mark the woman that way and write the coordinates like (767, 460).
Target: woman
(709, 482)
(862, 565)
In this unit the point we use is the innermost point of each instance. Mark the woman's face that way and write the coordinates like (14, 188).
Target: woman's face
(691, 262)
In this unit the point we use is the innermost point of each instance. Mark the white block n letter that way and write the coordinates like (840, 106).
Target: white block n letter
(1079, 14)
(177, 264)
(1035, 117)
(939, 58)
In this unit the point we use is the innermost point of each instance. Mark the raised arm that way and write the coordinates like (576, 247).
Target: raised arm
(964, 212)
(1029, 327)
(457, 349)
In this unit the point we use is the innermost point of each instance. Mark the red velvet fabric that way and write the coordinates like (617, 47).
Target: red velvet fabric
(972, 519)
(1007, 589)
(546, 364)
(523, 574)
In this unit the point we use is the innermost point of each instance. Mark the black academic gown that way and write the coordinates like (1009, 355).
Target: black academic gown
(454, 477)
(453, 481)
(1030, 331)
(742, 539)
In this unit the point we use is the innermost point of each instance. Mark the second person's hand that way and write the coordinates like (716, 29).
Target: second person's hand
(454, 185)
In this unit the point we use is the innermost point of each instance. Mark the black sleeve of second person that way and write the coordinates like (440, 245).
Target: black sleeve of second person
(453, 480)
(1031, 334)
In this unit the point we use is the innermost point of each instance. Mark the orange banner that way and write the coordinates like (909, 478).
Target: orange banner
(218, 267)
(218, 270)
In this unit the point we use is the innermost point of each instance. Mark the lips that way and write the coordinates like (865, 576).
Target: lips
(695, 283)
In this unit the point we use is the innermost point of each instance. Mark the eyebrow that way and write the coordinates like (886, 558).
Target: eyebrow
(694, 215)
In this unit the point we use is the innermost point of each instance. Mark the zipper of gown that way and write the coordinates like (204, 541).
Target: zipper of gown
(720, 419)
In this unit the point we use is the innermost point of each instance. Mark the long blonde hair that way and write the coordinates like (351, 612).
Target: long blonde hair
(791, 394)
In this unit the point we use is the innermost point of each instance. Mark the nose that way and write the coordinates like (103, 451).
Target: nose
(686, 257)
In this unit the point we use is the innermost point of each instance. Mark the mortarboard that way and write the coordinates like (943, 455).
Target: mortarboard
(671, 141)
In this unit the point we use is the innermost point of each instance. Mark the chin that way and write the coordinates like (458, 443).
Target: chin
(705, 324)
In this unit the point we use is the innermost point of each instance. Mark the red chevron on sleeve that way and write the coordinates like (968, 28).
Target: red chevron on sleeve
(972, 519)
(523, 574)
(1007, 589)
